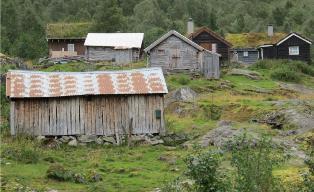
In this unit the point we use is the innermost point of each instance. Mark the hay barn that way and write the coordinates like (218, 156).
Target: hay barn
(86, 103)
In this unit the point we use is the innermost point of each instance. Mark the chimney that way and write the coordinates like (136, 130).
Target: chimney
(190, 27)
(270, 30)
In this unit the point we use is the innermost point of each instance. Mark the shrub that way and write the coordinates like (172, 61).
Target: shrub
(254, 162)
(285, 74)
(212, 112)
(24, 155)
(59, 173)
(183, 80)
(203, 168)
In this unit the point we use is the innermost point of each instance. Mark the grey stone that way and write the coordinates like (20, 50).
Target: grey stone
(99, 141)
(184, 94)
(297, 88)
(247, 73)
(87, 138)
(40, 138)
(109, 139)
(64, 139)
(73, 143)
(224, 123)
(155, 141)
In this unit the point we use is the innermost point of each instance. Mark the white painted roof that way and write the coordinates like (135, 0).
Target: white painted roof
(116, 40)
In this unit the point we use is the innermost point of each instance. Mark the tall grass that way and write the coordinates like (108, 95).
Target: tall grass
(285, 70)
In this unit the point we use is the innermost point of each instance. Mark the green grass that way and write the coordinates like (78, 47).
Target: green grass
(242, 83)
(122, 168)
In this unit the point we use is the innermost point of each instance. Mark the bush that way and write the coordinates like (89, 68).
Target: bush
(212, 112)
(24, 155)
(254, 162)
(203, 168)
(183, 80)
(59, 173)
(285, 70)
(285, 75)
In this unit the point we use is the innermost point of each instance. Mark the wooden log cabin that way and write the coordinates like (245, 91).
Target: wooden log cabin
(86, 103)
(117, 48)
(175, 53)
(211, 41)
(66, 39)
(292, 47)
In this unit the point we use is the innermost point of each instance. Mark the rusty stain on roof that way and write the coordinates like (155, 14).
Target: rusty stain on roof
(22, 84)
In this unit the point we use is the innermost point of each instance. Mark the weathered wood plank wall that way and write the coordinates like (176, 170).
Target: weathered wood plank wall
(90, 115)
(116, 56)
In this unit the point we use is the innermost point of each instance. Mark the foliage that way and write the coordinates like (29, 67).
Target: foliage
(285, 70)
(23, 154)
(4, 105)
(254, 162)
(59, 173)
(212, 111)
(23, 23)
(183, 80)
(204, 169)
(285, 74)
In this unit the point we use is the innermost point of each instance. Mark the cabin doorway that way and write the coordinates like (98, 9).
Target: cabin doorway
(175, 58)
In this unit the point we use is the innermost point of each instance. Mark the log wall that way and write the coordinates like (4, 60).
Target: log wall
(87, 115)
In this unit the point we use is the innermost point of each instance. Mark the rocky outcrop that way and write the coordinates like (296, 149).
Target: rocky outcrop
(247, 73)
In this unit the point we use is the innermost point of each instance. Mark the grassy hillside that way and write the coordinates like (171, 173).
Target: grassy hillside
(24, 162)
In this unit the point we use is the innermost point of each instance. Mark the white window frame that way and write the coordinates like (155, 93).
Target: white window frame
(71, 47)
(294, 50)
(245, 53)
(214, 47)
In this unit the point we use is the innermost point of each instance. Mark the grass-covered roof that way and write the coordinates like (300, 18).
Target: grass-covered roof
(242, 40)
(68, 30)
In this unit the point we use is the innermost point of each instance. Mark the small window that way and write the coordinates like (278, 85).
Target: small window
(161, 51)
(294, 50)
(71, 47)
(245, 53)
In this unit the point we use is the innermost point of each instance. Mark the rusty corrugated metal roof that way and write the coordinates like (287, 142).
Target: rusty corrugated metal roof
(22, 84)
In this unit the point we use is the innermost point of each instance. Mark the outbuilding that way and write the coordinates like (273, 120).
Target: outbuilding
(86, 103)
(117, 48)
(175, 53)
(245, 55)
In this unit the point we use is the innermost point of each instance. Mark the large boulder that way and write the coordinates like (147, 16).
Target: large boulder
(247, 73)
(184, 94)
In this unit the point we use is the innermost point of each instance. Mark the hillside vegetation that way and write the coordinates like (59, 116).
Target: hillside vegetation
(236, 100)
(23, 23)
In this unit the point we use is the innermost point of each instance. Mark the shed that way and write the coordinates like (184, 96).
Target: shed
(212, 41)
(245, 55)
(118, 48)
(174, 53)
(86, 103)
(66, 39)
(293, 46)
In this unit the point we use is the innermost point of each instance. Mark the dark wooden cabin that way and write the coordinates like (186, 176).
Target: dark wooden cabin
(86, 103)
(66, 39)
(293, 47)
(211, 41)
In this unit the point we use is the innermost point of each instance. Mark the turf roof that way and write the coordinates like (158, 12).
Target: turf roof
(68, 30)
(246, 40)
